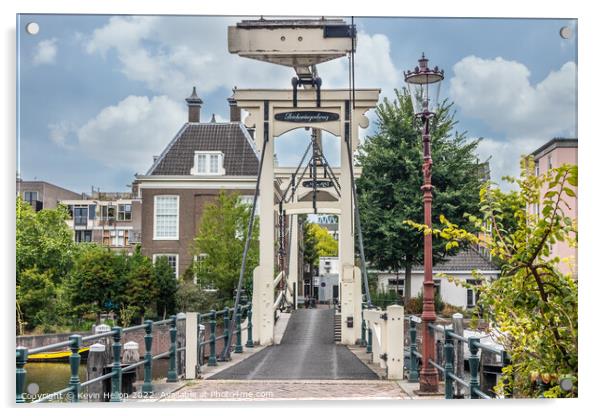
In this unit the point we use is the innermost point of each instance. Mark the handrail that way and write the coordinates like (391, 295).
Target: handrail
(75, 341)
(447, 369)
(278, 300)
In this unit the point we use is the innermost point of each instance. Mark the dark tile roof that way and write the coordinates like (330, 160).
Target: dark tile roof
(232, 139)
(466, 260)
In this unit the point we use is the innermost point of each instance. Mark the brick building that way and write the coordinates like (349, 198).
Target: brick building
(199, 162)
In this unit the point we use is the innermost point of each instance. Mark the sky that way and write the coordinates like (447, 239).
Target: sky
(99, 96)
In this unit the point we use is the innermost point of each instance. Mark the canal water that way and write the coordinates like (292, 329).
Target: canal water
(51, 377)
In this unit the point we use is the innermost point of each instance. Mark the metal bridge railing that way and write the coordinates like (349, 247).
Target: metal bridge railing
(446, 368)
(75, 342)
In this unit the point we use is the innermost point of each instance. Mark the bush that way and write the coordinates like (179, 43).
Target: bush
(414, 306)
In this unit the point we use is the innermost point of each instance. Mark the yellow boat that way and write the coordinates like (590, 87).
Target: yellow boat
(57, 356)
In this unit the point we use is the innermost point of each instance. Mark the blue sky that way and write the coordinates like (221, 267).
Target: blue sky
(100, 95)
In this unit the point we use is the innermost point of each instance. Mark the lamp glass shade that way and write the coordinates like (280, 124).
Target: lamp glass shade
(424, 92)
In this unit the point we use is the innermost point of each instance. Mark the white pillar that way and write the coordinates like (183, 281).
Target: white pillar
(293, 261)
(191, 345)
(263, 277)
(394, 342)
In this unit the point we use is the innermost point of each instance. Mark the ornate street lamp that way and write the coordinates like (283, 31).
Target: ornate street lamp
(424, 84)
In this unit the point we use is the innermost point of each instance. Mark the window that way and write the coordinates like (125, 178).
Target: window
(107, 212)
(83, 236)
(115, 238)
(549, 162)
(80, 215)
(469, 298)
(166, 217)
(537, 168)
(92, 212)
(30, 196)
(172, 259)
(124, 212)
(208, 163)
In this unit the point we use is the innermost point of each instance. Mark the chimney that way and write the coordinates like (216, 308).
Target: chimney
(234, 110)
(194, 107)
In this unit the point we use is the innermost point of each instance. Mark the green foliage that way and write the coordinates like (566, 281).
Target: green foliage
(318, 243)
(40, 299)
(44, 241)
(389, 189)
(167, 286)
(94, 285)
(191, 297)
(414, 305)
(141, 287)
(532, 307)
(220, 243)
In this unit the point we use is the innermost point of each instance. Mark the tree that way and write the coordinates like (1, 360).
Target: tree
(45, 253)
(318, 243)
(142, 288)
(220, 242)
(389, 188)
(44, 241)
(167, 287)
(532, 306)
(94, 285)
(191, 297)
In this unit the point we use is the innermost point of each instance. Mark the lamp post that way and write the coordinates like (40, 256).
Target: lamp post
(424, 84)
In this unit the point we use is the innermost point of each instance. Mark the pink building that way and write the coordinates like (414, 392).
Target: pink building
(555, 153)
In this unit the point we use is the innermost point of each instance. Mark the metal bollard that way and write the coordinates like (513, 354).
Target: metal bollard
(172, 374)
(413, 374)
(21, 373)
(75, 342)
(212, 362)
(116, 378)
(147, 386)
(473, 362)
(250, 343)
(448, 349)
(238, 348)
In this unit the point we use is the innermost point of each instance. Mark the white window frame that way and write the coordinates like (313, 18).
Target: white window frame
(220, 163)
(177, 236)
(177, 256)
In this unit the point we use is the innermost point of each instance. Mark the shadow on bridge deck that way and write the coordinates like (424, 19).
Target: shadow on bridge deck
(307, 352)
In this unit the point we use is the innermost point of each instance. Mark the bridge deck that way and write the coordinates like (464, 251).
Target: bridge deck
(307, 352)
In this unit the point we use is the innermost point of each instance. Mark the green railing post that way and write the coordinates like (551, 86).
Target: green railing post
(21, 373)
(75, 343)
(509, 382)
(238, 348)
(147, 386)
(369, 344)
(363, 341)
(413, 375)
(473, 362)
(249, 328)
(226, 354)
(172, 374)
(448, 349)
(212, 359)
(116, 378)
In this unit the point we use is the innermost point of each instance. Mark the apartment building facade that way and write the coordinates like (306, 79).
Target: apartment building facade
(553, 154)
(41, 194)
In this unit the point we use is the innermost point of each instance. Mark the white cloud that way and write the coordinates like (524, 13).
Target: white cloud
(45, 52)
(499, 92)
(170, 54)
(59, 132)
(505, 155)
(129, 134)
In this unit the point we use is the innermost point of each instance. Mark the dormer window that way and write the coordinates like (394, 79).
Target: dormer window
(208, 163)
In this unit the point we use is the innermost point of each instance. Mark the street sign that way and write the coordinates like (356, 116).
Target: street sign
(320, 183)
(307, 116)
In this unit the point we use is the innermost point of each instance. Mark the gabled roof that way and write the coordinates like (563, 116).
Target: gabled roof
(232, 139)
(466, 260)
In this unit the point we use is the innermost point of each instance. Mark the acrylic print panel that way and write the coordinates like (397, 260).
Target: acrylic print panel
(142, 142)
